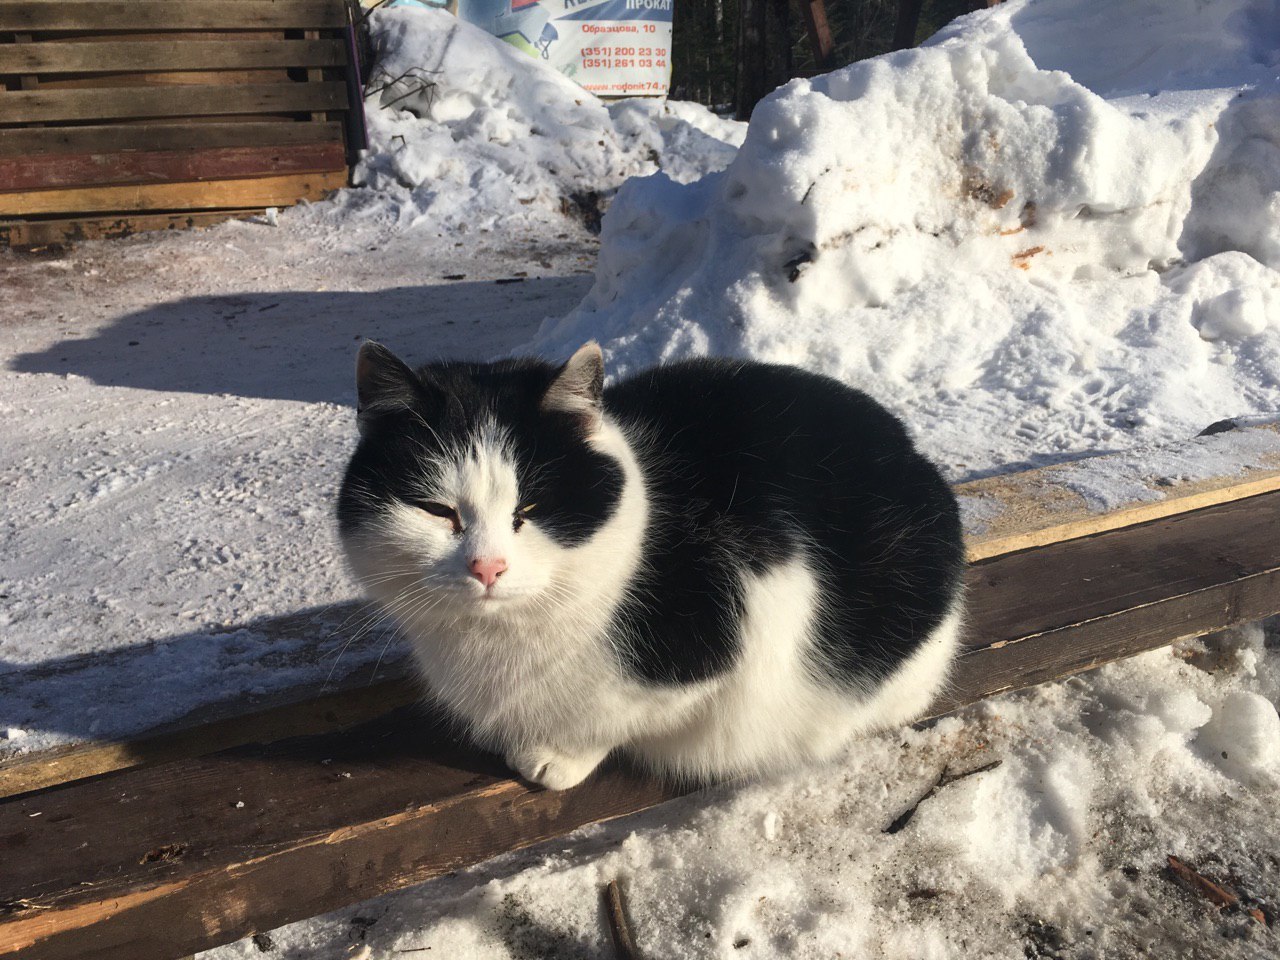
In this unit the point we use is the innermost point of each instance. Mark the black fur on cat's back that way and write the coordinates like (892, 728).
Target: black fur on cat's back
(748, 465)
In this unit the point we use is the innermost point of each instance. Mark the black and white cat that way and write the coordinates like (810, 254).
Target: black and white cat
(716, 567)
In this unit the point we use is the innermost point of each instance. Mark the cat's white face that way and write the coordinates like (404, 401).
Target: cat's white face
(467, 541)
(487, 490)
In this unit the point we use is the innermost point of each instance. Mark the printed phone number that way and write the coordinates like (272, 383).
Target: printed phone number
(645, 58)
(596, 63)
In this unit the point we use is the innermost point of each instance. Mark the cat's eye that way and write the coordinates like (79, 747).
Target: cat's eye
(442, 510)
(521, 514)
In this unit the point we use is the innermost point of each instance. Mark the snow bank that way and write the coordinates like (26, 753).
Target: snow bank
(1059, 220)
(467, 131)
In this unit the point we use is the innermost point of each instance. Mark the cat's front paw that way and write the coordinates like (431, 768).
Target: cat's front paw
(552, 769)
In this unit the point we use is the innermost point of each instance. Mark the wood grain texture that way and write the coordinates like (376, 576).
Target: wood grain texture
(45, 171)
(298, 712)
(135, 56)
(1043, 506)
(271, 191)
(143, 102)
(814, 15)
(1054, 611)
(56, 15)
(115, 138)
(162, 860)
(353, 815)
(21, 234)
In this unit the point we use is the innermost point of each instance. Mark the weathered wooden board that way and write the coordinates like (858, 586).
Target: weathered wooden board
(298, 712)
(56, 15)
(45, 171)
(143, 102)
(255, 192)
(135, 56)
(375, 809)
(183, 135)
(1049, 612)
(163, 860)
(1022, 510)
(43, 233)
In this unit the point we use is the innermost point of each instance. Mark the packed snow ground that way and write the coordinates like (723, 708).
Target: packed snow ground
(177, 413)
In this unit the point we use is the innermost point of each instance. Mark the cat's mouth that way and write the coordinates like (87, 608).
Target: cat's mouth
(493, 596)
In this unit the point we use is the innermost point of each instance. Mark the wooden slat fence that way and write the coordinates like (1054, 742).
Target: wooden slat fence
(112, 110)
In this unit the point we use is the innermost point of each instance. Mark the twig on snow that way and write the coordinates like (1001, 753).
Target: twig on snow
(944, 778)
(1211, 890)
(624, 944)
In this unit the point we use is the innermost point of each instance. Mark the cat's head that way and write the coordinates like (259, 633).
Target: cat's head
(475, 487)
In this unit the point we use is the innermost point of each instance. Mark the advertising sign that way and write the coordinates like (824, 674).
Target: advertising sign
(613, 48)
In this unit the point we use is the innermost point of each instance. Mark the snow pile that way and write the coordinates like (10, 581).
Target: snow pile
(466, 131)
(1060, 218)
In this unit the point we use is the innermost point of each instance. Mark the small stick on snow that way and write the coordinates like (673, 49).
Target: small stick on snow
(944, 778)
(624, 944)
(1211, 890)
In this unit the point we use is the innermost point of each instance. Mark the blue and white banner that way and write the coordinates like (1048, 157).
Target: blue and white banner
(613, 48)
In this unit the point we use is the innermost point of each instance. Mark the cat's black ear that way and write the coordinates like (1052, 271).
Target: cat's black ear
(384, 383)
(579, 387)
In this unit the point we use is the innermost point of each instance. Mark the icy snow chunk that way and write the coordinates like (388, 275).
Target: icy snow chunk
(1233, 315)
(1181, 711)
(1233, 295)
(1014, 824)
(1243, 738)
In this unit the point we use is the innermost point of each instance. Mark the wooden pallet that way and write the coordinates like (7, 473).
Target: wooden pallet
(112, 112)
(198, 847)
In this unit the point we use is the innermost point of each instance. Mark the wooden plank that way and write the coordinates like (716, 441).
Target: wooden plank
(29, 81)
(25, 234)
(117, 15)
(163, 136)
(293, 713)
(163, 860)
(1031, 509)
(1043, 614)
(272, 191)
(45, 171)
(205, 78)
(177, 101)
(381, 813)
(137, 56)
(314, 75)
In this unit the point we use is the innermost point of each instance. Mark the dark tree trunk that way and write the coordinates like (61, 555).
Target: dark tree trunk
(764, 51)
(904, 32)
(752, 80)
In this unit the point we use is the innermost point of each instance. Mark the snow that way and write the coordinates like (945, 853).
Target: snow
(1000, 234)
(479, 133)
(1053, 231)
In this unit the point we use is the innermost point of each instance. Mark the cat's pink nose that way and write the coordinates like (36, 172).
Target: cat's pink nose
(487, 569)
